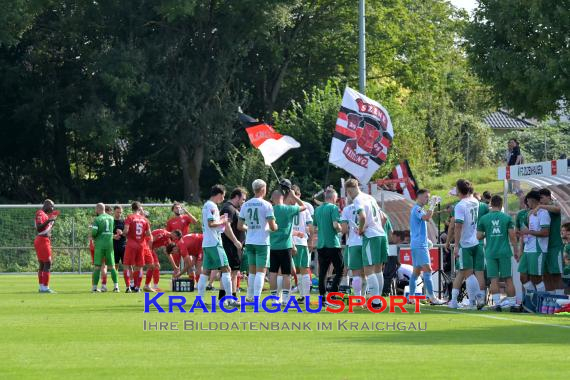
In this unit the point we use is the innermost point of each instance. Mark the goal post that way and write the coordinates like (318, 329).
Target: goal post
(70, 235)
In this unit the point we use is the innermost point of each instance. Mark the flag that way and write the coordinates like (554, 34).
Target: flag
(271, 144)
(408, 188)
(362, 136)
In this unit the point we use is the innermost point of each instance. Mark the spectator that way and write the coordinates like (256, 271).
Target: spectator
(486, 198)
(514, 157)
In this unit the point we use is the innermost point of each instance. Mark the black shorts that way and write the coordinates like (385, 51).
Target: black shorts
(119, 254)
(280, 259)
(234, 260)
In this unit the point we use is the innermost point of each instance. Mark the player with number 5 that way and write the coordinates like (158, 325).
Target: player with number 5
(137, 228)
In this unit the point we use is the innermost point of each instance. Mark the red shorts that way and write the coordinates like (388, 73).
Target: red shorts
(150, 257)
(43, 248)
(134, 254)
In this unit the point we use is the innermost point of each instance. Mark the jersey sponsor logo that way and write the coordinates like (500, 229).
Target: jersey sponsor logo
(496, 227)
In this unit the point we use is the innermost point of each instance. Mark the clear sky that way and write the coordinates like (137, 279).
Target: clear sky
(469, 5)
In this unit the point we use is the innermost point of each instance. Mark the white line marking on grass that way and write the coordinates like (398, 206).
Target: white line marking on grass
(500, 318)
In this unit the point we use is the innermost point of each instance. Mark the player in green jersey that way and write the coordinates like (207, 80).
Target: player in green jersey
(565, 232)
(552, 261)
(497, 229)
(102, 233)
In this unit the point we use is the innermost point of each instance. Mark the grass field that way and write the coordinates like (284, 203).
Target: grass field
(76, 334)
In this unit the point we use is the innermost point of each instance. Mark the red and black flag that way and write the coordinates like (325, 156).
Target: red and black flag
(408, 187)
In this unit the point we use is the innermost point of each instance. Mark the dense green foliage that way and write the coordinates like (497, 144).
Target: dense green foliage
(520, 48)
(136, 100)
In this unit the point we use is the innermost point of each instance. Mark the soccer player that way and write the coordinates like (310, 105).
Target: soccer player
(326, 222)
(302, 231)
(44, 221)
(553, 267)
(349, 225)
(374, 240)
(521, 221)
(214, 255)
(497, 228)
(281, 241)
(190, 249)
(181, 220)
(231, 209)
(257, 220)
(419, 246)
(565, 232)
(102, 233)
(467, 251)
(536, 245)
(119, 240)
(160, 238)
(137, 229)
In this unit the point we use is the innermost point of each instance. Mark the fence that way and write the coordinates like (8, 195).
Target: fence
(70, 236)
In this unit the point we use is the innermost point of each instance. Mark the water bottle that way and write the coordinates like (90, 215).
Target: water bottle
(544, 307)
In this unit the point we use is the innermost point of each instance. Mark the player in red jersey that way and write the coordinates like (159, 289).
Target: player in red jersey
(137, 229)
(45, 218)
(189, 247)
(181, 220)
(160, 238)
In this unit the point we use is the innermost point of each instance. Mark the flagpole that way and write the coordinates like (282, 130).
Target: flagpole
(361, 47)
(276, 176)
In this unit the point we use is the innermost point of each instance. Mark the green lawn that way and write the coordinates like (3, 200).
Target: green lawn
(76, 334)
(482, 179)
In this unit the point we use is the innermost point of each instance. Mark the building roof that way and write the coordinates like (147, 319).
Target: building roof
(502, 120)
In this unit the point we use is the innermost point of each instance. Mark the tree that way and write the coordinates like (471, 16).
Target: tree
(520, 48)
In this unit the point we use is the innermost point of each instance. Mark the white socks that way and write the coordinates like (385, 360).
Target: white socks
(357, 285)
(454, 294)
(202, 285)
(373, 285)
(380, 279)
(496, 299)
(306, 285)
(529, 286)
(258, 284)
(344, 281)
(540, 287)
(559, 292)
(472, 286)
(250, 284)
(279, 286)
(226, 280)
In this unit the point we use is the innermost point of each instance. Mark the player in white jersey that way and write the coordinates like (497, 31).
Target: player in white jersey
(374, 240)
(302, 230)
(214, 255)
(536, 244)
(469, 256)
(257, 220)
(349, 224)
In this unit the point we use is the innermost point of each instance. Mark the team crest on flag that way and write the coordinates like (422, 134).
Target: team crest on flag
(362, 136)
